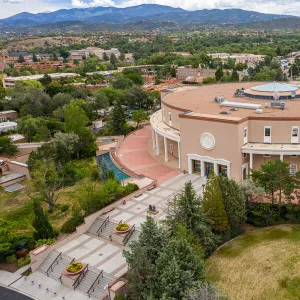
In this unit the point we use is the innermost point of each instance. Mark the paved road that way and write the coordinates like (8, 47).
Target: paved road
(7, 294)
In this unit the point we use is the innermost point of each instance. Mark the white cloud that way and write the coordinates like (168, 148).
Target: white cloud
(80, 3)
(12, 1)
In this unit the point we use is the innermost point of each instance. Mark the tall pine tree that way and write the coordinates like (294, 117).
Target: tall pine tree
(213, 204)
(44, 229)
(118, 119)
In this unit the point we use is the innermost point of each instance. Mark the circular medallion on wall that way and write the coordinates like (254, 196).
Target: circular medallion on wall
(207, 141)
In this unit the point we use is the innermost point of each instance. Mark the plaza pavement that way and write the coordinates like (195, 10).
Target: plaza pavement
(136, 153)
(100, 253)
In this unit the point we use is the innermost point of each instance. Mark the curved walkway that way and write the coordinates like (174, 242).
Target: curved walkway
(8, 294)
(134, 153)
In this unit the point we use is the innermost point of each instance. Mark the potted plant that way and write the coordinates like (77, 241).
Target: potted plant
(74, 268)
(122, 228)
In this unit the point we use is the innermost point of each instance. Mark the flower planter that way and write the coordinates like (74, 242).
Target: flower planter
(74, 273)
(122, 231)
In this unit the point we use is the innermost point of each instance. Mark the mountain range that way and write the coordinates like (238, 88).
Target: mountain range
(144, 12)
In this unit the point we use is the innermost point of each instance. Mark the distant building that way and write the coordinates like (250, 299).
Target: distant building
(10, 81)
(8, 115)
(194, 74)
(244, 58)
(6, 126)
(79, 54)
(14, 56)
(99, 52)
(114, 51)
(149, 78)
(129, 58)
(3, 60)
(44, 65)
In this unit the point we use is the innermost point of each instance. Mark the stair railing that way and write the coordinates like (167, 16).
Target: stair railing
(80, 277)
(129, 234)
(55, 262)
(95, 283)
(102, 226)
(60, 278)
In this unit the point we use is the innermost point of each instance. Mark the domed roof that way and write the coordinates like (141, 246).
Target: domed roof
(273, 87)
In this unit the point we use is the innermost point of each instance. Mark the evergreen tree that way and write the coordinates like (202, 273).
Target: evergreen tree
(176, 271)
(213, 204)
(118, 118)
(41, 223)
(34, 58)
(113, 59)
(105, 56)
(234, 203)
(185, 208)
(21, 59)
(143, 255)
(219, 74)
(235, 76)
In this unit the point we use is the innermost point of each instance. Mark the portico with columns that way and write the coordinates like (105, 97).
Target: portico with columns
(165, 140)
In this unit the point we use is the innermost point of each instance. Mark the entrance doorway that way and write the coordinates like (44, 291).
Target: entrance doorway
(208, 167)
(197, 166)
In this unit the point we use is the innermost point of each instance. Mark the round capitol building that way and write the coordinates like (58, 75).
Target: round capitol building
(229, 128)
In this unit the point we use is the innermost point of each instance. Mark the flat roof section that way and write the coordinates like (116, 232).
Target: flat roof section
(200, 100)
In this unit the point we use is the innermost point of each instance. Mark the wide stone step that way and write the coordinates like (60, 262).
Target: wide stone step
(87, 281)
(100, 291)
(44, 266)
(59, 268)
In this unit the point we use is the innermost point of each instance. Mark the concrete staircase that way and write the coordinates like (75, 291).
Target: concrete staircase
(59, 268)
(134, 237)
(48, 261)
(93, 284)
(102, 227)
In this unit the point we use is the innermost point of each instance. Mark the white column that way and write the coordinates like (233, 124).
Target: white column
(216, 168)
(157, 143)
(153, 138)
(202, 168)
(179, 156)
(228, 171)
(251, 161)
(190, 163)
(281, 157)
(166, 149)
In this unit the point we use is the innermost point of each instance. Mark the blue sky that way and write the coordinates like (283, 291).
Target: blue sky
(11, 7)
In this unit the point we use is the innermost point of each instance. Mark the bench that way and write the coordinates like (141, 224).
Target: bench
(138, 195)
(151, 188)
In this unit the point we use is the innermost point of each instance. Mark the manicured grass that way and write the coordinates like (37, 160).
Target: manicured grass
(263, 264)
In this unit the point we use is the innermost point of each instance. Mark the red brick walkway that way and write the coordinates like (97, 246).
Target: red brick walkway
(134, 154)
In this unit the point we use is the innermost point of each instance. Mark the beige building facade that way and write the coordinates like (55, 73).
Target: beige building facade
(210, 128)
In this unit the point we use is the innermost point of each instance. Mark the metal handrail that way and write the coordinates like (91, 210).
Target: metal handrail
(51, 266)
(102, 225)
(129, 234)
(77, 281)
(93, 285)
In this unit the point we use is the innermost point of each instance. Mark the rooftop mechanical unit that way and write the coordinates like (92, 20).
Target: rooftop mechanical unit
(219, 99)
(240, 105)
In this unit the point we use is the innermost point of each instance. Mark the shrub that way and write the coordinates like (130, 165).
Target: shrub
(70, 225)
(263, 214)
(44, 242)
(24, 261)
(12, 258)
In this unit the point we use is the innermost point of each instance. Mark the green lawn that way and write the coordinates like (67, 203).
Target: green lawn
(262, 264)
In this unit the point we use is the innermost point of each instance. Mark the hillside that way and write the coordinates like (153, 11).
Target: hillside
(144, 12)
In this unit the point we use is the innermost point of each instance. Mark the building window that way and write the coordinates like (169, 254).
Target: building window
(267, 134)
(170, 119)
(295, 134)
(293, 170)
(245, 135)
(266, 155)
(245, 155)
(293, 156)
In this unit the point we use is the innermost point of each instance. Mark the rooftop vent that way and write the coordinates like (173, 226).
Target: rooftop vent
(233, 109)
(224, 112)
(259, 111)
(278, 104)
(241, 105)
